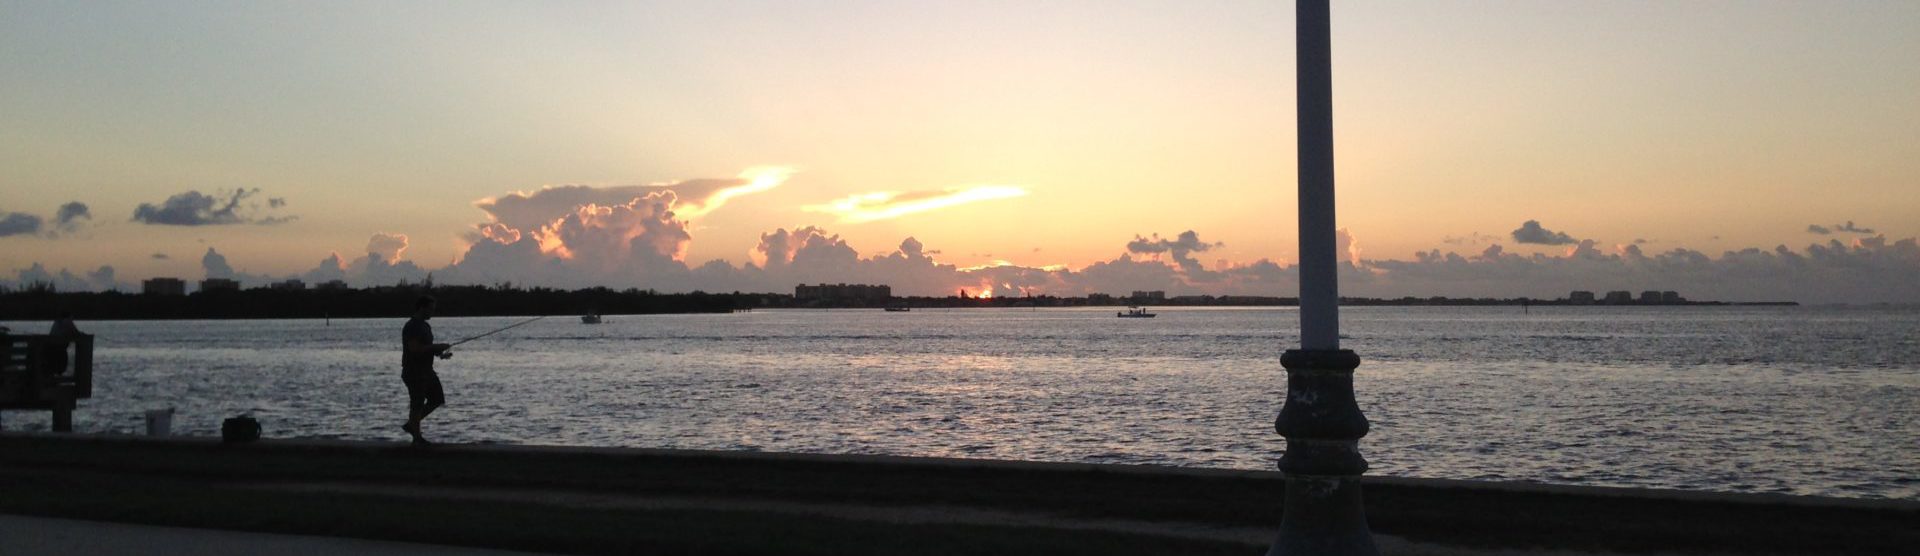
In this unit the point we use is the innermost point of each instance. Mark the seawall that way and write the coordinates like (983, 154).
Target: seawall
(620, 500)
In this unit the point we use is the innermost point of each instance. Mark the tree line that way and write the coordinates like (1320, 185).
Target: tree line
(396, 301)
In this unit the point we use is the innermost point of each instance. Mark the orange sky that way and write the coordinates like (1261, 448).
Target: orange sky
(1037, 135)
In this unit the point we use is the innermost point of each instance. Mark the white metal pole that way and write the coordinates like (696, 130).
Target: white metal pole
(1323, 514)
(1319, 264)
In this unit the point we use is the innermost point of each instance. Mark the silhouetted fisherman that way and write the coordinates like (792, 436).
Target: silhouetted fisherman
(416, 368)
(63, 333)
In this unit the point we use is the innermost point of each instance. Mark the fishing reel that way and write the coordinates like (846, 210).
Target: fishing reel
(444, 355)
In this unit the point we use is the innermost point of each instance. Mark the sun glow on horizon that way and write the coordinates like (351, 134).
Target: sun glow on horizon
(996, 263)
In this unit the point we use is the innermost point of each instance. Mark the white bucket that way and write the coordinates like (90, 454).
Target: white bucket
(159, 422)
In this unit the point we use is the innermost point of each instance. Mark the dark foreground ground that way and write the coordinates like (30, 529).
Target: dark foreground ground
(631, 501)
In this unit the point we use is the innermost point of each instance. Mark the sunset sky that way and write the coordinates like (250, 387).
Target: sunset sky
(1055, 138)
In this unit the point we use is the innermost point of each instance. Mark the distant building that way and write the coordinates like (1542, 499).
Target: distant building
(843, 293)
(1156, 295)
(1649, 298)
(1619, 298)
(331, 285)
(163, 286)
(1580, 298)
(1672, 298)
(212, 285)
(291, 284)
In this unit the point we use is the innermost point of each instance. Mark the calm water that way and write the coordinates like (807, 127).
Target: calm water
(1792, 400)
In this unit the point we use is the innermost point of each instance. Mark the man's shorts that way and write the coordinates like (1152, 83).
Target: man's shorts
(423, 389)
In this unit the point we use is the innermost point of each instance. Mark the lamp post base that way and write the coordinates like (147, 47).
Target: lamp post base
(1324, 517)
(1323, 426)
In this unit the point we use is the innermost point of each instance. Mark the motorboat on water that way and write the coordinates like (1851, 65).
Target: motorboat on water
(898, 309)
(1135, 313)
(590, 318)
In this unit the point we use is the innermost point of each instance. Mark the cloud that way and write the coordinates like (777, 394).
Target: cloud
(383, 265)
(1345, 246)
(38, 275)
(1852, 229)
(807, 251)
(66, 220)
(599, 251)
(524, 211)
(1848, 227)
(810, 254)
(194, 208)
(1181, 249)
(387, 246)
(19, 224)
(215, 264)
(1587, 249)
(757, 180)
(373, 270)
(572, 236)
(329, 269)
(1532, 232)
(591, 245)
(1864, 271)
(884, 205)
(1124, 274)
(100, 279)
(638, 237)
(1475, 238)
(72, 212)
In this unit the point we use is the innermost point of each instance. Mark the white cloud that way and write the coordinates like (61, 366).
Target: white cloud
(884, 205)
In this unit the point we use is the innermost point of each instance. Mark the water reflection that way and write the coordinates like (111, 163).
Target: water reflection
(1742, 399)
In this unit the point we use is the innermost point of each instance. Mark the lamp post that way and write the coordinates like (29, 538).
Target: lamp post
(1320, 419)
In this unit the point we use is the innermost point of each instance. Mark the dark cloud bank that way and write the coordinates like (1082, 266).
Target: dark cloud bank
(572, 237)
(194, 208)
(1847, 228)
(67, 220)
(1532, 232)
(20, 224)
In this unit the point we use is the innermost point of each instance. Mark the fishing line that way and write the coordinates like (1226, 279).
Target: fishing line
(495, 331)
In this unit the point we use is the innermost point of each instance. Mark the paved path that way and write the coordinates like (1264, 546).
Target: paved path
(37, 536)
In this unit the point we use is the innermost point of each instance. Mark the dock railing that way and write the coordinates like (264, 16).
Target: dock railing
(39, 371)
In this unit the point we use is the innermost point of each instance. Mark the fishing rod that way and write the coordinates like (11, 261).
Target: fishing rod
(447, 353)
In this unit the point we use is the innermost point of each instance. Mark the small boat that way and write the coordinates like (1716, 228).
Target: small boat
(898, 309)
(590, 318)
(1135, 313)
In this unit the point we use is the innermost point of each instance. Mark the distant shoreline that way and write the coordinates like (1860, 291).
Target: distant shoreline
(464, 301)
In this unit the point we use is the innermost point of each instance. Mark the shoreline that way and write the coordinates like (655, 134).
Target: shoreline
(733, 502)
(470, 300)
(942, 308)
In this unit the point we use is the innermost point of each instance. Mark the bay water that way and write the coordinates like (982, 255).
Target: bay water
(1799, 400)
